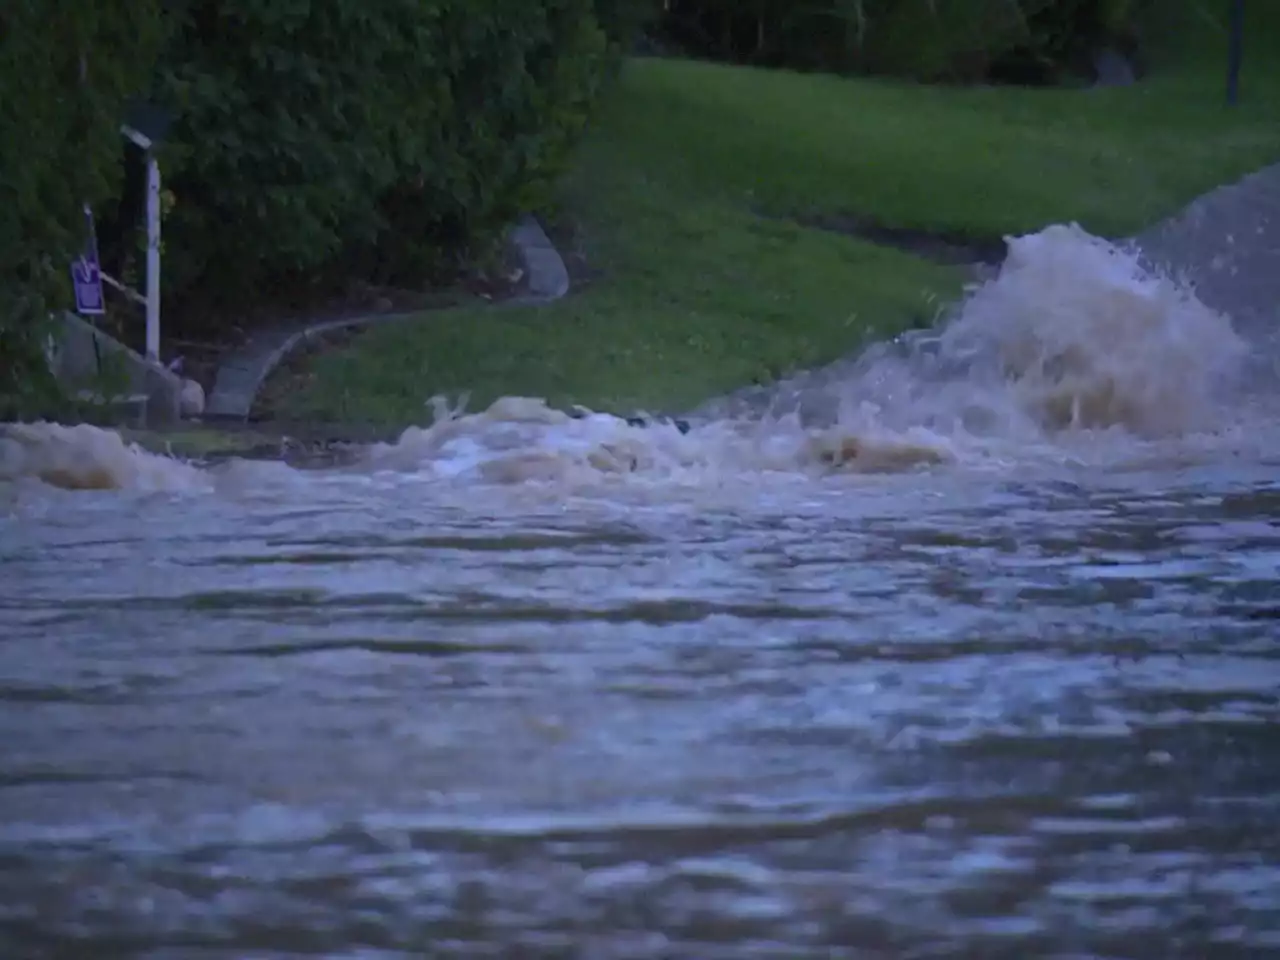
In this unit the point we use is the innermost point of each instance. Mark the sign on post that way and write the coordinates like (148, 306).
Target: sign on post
(1235, 51)
(86, 274)
(86, 270)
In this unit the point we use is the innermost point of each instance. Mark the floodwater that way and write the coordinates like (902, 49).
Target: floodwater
(989, 667)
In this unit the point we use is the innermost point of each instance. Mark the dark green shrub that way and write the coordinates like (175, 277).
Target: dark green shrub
(65, 72)
(949, 40)
(624, 21)
(314, 136)
(944, 40)
(518, 98)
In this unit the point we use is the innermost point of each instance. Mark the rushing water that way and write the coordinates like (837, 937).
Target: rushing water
(989, 666)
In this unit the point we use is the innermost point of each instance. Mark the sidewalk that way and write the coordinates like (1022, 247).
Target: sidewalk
(1227, 242)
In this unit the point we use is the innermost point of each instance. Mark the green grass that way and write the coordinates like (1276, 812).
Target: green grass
(197, 442)
(700, 295)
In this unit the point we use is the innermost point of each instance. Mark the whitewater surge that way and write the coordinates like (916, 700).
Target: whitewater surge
(1071, 342)
(1076, 335)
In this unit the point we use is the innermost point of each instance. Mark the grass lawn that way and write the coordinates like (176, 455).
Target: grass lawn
(698, 293)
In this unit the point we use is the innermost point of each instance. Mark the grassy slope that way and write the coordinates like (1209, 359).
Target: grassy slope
(699, 295)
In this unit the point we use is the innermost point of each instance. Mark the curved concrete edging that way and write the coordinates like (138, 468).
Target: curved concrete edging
(241, 375)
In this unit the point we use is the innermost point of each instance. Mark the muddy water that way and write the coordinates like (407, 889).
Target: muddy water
(985, 664)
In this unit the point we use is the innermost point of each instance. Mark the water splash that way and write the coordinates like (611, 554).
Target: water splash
(1078, 336)
(1072, 334)
(1072, 343)
(84, 457)
(520, 439)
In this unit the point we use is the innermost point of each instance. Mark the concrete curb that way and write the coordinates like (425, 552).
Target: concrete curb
(153, 392)
(1226, 243)
(548, 278)
(241, 374)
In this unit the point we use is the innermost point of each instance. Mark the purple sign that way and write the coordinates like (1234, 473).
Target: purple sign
(86, 275)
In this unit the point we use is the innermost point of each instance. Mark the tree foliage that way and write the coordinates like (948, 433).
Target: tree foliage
(625, 21)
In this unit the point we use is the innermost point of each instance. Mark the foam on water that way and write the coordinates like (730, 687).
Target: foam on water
(84, 457)
(520, 439)
(1072, 347)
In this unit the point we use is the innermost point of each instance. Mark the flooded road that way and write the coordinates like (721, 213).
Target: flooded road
(988, 666)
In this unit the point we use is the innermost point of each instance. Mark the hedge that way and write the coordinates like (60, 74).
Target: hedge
(386, 139)
(311, 140)
(66, 70)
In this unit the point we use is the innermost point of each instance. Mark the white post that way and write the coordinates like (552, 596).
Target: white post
(153, 258)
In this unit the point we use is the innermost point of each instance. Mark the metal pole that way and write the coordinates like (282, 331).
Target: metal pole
(153, 258)
(1235, 51)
